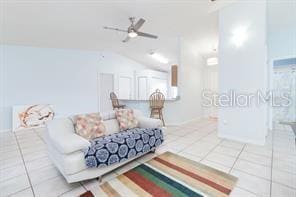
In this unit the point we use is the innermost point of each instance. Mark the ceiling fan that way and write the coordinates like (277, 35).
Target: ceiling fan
(133, 30)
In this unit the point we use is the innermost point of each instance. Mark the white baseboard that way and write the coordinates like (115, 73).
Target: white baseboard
(5, 130)
(243, 140)
(184, 122)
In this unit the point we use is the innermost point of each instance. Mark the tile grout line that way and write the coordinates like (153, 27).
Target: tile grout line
(292, 188)
(212, 150)
(190, 143)
(253, 152)
(18, 191)
(83, 186)
(259, 164)
(39, 136)
(248, 172)
(243, 171)
(252, 175)
(236, 159)
(195, 129)
(29, 179)
(247, 190)
(195, 141)
(36, 151)
(261, 177)
(73, 190)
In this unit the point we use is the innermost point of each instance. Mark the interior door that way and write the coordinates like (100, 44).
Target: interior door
(211, 84)
(106, 85)
(125, 87)
(142, 88)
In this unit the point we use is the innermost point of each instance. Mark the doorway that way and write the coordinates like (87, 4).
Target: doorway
(211, 83)
(284, 83)
(106, 86)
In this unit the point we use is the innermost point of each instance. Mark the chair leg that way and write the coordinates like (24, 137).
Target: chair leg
(159, 113)
(161, 117)
(99, 179)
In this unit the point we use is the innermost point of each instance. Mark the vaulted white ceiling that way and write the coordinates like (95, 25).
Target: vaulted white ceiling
(77, 24)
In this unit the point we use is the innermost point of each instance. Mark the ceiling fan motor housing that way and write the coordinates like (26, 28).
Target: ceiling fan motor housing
(133, 30)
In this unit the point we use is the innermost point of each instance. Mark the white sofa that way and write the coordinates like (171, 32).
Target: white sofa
(65, 146)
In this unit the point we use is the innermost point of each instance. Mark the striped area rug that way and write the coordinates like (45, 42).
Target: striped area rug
(168, 175)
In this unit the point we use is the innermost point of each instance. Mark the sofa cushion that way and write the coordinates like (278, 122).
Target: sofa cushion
(149, 122)
(126, 119)
(119, 147)
(61, 133)
(89, 126)
(112, 126)
(108, 115)
(68, 163)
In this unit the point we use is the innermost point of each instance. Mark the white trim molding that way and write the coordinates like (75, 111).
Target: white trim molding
(242, 140)
(5, 130)
(185, 122)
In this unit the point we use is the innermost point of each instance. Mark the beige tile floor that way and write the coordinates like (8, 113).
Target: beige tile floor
(268, 170)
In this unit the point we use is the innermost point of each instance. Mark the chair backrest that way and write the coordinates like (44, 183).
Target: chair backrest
(114, 100)
(156, 99)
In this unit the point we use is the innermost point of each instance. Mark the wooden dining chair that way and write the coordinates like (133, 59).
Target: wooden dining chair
(156, 101)
(115, 102)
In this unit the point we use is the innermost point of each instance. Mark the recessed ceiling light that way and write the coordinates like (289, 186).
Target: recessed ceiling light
(212, 61)
(159, 58)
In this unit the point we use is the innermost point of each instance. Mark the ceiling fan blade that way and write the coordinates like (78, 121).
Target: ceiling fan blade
(146, 35)
(113, 28)
(139, 24)
(126, 39)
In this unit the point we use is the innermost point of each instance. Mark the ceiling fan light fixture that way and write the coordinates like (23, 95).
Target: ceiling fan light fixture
(132, 34)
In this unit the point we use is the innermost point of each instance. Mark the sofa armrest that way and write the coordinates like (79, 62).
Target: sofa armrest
(61, 135)
(70, 143)
(149, 122)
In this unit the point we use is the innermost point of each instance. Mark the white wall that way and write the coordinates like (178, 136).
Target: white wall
(281, 17)
(68, 80)
(189, 87)
(65, 78)
(188, 107)
(243, 69)
(2, 117)
(119, 66)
